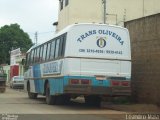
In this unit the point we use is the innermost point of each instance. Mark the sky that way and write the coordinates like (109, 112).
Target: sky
(32, 16)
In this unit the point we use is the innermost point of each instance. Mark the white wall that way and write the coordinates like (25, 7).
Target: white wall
(130, 9)
(82, 11)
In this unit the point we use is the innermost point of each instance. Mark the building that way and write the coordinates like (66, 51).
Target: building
(117, 11)
(79, 11)
(145, 47)
(120, 11)
(6, 69)
(15, 68)
(141, 17)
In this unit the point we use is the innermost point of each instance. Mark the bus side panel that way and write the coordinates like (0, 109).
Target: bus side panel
(56, 86)
(32, 86)
(29, 79)
(39, 86)
(39, 83)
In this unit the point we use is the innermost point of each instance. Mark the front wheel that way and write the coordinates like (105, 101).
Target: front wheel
(30, 94)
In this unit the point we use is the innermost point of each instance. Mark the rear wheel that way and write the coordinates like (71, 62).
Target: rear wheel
(30, 94)
(50, 100)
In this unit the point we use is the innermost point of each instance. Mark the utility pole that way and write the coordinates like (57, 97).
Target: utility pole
(104, 15)
(36, 37)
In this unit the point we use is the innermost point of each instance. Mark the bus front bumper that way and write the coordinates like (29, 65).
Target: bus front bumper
(97, 90)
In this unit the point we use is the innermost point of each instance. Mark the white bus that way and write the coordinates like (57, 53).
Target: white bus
(93, 60)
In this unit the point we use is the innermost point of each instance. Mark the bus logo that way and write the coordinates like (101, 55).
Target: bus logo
(101, 42)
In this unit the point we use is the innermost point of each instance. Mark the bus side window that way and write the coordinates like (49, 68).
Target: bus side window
(32, 55)
(37, 55)
(26, 63)
(27, 59)
(41, 53)
(44, 52)
(62, 46)
(52, 54)
(57, 48)
(48, 51)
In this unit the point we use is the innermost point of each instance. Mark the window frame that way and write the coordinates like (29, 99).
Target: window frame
(37, 54)
(32, 56)
(44, 52)
(41, 53)
(28, 58)
(58, 40)
(53, 42)
(62, 45)
(50, 53)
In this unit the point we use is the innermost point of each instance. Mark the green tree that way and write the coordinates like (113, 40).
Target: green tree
(12, 37)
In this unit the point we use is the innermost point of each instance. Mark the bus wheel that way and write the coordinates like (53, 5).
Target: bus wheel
(30, 94)
(50, 100)
(93, 100)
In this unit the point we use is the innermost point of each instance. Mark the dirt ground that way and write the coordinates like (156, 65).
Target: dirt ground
(139, 108)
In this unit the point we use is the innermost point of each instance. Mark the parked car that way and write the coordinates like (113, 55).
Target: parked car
(17, 82)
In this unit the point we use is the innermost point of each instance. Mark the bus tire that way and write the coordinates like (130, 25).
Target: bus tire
(50, 100)
(30, 94)
(93, 100)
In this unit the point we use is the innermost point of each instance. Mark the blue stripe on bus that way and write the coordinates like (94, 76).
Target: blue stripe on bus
(57, 84)
(94, 82)
(63, 81)
(38, 83)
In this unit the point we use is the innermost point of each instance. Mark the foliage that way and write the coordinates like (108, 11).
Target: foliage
(12, 37)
